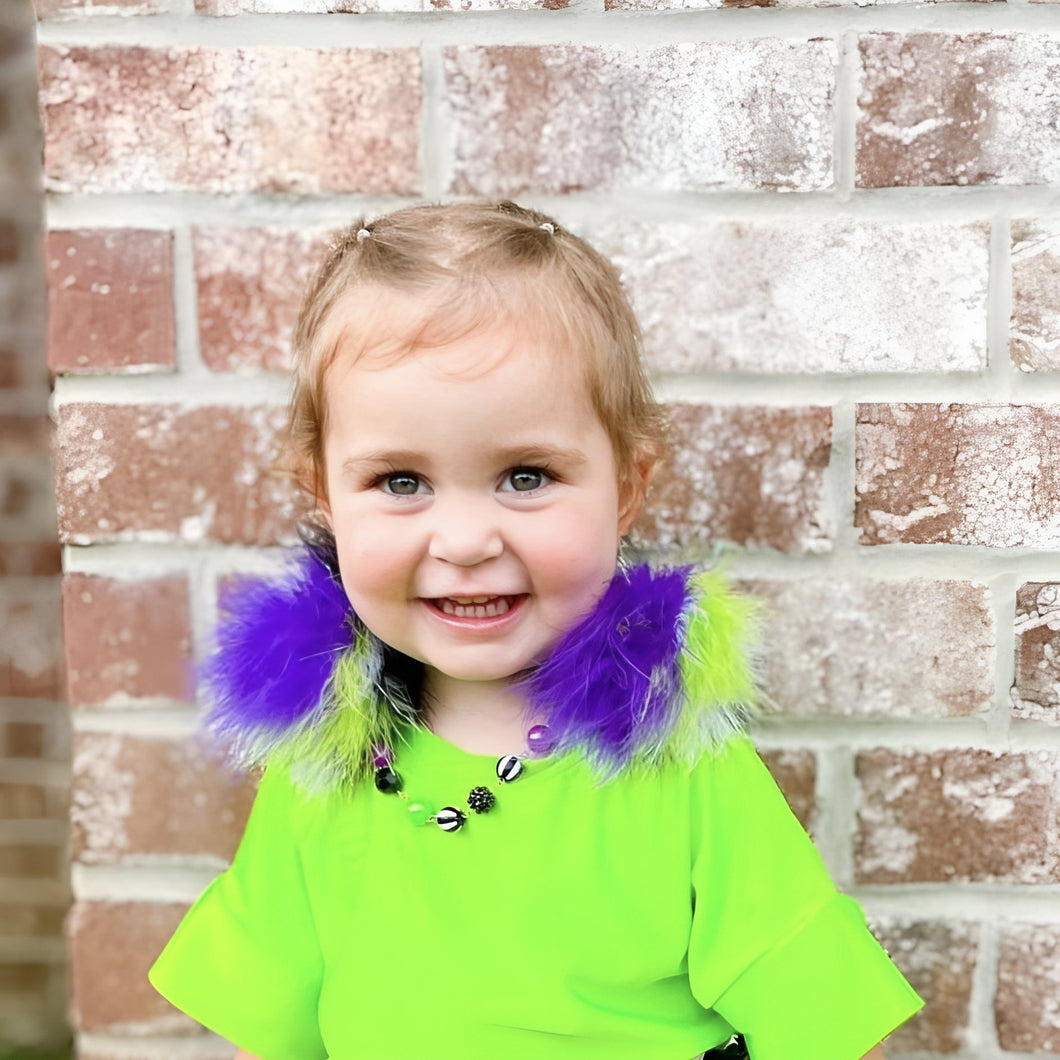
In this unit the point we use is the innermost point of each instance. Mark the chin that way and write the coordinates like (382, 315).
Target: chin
(481, 673)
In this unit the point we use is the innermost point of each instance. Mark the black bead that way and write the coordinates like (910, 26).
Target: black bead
(481, 800)
(387, 781)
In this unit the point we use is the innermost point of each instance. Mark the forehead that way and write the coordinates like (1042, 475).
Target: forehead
(488, 398)
(381, 325)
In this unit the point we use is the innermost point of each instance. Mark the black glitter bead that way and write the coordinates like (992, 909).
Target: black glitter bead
(481, 800)
(387, 781)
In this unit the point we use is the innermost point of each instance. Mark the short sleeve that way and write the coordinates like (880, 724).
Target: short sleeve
(775, 949)
(245, 961)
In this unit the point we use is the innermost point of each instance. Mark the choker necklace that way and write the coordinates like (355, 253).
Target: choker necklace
(479, 800)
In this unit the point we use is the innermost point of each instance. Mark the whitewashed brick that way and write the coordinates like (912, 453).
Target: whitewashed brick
(1034, 340)
(896, 649)
(976, 108)
(734, 114)
(834, 297)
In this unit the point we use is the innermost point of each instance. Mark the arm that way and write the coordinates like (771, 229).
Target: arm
(872, 1054)
(240, 1055)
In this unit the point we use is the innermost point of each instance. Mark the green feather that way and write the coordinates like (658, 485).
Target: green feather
(720, 690)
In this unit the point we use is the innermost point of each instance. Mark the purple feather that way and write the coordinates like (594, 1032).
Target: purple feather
(275, 650)
(612, 683)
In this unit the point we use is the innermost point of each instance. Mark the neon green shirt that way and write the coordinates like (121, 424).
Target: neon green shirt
(636, 920)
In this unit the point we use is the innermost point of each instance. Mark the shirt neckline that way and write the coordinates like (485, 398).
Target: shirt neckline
(418, 744)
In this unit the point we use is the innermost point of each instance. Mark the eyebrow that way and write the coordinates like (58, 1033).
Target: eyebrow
(515, 455)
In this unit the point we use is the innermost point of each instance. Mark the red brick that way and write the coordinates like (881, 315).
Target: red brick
(24, 975)
(1028, 985)
(938, 958)
(31, 649)
(958, 474)
(21, 739)
(796, 775)
(110, 300)
(159, 472)
(24, 434)
(30, 558)
(957, 815)
(749, 475)
(557, 118)
(126, 640)
(26, 861)
(1036, 689)
(37, 921)
(112, 946)
(733, 296)
(1034, 340)
(31, 802)
(27, 498)
(16, 29)
(137, 798)
(9, 241)
(941, 108)
(250, 283)
(895, 649)
(12, 372)
(267, 119)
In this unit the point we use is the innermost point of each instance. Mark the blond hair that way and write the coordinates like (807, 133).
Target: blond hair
(424, 276)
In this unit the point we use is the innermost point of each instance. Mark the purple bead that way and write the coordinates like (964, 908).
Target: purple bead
(383, 755)
(540, 741)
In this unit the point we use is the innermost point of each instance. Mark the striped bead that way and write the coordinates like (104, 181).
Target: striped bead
(449, 819)
(509, 767)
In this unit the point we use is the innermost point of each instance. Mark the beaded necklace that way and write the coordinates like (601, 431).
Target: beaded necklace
(480, 799)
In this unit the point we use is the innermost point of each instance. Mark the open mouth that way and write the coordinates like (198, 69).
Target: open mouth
(476, 606)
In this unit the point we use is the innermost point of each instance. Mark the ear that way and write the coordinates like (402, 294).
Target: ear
(632, 492)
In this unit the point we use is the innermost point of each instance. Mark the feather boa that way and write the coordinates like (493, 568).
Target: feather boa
(656, 673)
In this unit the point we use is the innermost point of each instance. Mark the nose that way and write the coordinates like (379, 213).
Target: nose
(463, 533)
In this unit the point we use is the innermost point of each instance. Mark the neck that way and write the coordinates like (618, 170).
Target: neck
(482, 717)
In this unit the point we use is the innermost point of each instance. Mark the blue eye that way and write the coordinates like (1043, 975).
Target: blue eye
(402, 484)
(526, 479)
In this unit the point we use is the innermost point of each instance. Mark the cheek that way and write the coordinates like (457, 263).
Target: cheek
(373, 562)
(577, 556)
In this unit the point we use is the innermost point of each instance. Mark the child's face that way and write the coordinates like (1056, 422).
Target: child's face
(473, 493)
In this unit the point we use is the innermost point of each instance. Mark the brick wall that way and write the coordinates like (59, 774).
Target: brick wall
(841, 227)
(34, 723)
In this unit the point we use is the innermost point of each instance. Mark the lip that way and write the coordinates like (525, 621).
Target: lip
(490, 624)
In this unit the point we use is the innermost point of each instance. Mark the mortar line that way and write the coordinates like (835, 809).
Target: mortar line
(1003, 590)
(981, 1027)
(845, 112)
(607, 28)
(835, 794)
(782, 390)
(840, 478)
(925, 205)
(205, 1046)
(999, 308)
(435, 131)
(185, 305)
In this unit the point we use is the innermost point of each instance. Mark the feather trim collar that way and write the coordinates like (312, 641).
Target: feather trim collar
(656, 673)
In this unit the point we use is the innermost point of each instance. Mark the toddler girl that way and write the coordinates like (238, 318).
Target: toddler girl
(509, 806)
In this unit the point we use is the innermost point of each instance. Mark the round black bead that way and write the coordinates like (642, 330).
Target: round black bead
(481, 800)
(387, 781)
